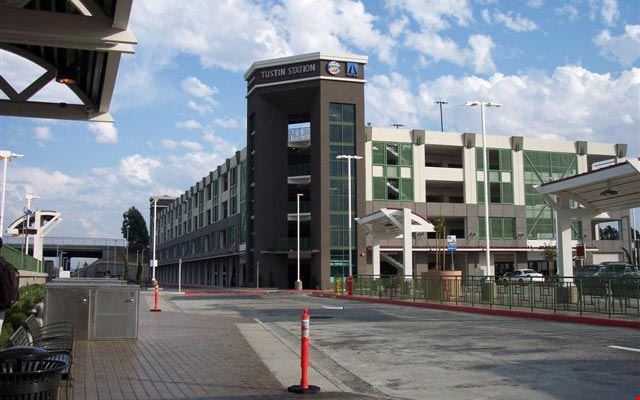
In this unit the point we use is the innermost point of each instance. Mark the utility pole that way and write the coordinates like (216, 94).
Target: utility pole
(440, 103)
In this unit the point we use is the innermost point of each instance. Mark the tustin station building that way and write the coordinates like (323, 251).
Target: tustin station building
(239, 222)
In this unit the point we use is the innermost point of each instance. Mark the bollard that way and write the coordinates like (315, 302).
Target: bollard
(350, 285)
(304, 387)
(155, 296)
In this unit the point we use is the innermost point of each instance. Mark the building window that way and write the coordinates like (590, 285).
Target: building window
(499, 228)
(396, 160)
(500, 173)
(607, 230)
(214, 195)
(225, 210)
(342, 127)
(541, 167)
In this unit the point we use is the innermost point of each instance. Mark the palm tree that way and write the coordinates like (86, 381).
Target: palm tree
(440, 227)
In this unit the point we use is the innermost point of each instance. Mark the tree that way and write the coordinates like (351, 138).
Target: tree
(550, 254)
(135, 229)
(125, 269)
(439, 226)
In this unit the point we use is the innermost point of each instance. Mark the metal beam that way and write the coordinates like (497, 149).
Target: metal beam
(32, 109)
(122, 13)
(52, 29)
(109, 82)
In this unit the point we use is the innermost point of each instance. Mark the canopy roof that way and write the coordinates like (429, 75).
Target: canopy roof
(616, 187)
(390, 222)
(83, 36)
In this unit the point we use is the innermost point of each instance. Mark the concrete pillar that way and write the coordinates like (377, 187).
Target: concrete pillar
(582, 164)
(565, 255)
(483, 261)
(517, 178)
(407, 241)
(470, 175)
(419, 177)
(376, 255)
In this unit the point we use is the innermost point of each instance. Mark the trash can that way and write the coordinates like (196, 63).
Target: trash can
(29, 376)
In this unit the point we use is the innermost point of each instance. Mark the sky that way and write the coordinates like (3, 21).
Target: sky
(562, 70)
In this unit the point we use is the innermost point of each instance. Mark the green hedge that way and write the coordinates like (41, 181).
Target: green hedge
(30, 295)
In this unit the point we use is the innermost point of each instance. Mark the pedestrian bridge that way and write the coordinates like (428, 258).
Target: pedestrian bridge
(73, 247)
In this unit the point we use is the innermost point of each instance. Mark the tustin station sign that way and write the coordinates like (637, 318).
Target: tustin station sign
(285, 71)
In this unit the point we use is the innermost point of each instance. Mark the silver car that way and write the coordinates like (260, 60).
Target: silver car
(526, 275)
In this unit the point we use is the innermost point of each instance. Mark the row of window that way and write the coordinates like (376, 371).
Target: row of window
(220, 239)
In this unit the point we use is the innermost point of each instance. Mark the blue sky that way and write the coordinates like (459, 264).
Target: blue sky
(562, 70)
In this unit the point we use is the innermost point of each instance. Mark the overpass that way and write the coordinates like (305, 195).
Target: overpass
(73, 247)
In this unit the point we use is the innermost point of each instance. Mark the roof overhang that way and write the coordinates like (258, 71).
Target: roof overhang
(87, 35)
(622, 180)
(389, 222)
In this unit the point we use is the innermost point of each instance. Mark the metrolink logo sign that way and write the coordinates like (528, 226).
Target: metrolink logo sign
(352, 69)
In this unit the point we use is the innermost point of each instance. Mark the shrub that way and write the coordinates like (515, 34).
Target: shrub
(30, 295)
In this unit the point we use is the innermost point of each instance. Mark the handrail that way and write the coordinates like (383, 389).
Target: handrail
(20, 260)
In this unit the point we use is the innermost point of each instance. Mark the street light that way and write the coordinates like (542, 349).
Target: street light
(154, 262)
(298, 281)
(6, 156)
(482, 105)
(29, 197)
(349, 158)
(441, 102)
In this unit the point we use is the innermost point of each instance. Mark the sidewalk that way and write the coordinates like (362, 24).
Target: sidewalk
(178, 356)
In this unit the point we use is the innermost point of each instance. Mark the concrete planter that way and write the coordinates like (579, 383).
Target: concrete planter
(442, 285)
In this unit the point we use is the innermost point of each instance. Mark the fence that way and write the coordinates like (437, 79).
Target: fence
(611, 296)
(20, 260)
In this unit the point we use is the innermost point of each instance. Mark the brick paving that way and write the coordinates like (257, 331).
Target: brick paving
(177, 356)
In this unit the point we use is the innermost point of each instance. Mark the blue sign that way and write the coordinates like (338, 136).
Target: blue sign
(352, 69)
(451, 247)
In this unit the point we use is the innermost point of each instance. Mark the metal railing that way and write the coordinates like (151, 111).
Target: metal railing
(611, 296)
(20, 260)
(70, 241)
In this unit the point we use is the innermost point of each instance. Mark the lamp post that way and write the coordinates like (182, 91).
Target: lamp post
(482, 105)
(6, 156)
(154, 262)
(349, 158)
(440, 103)
(29, 197)
(298, 281)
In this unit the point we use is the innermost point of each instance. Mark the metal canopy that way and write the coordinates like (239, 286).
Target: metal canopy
(394, 223)
(612, 188)
(590, 188)
(87, 36)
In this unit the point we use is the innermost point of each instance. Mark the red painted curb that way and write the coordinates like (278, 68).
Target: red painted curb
(214, 292)
(618, 323)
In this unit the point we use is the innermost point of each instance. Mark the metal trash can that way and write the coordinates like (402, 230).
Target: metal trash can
(29, 377)
(99, 309)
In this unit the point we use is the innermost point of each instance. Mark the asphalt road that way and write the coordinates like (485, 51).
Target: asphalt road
(415, 353)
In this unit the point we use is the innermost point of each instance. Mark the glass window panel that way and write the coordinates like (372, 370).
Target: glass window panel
(406, 154)
(392, 154)
(393, 189)
(508, 228)
(505, 160)
(392, 172)
(507, 193)
(496, 227)
(407, 189)
(479, 159)
(494, 159)
(494, 176)
(494, 192)
(377, 150)
(480, 192)
(335, 133)
(335, 112)
(348, 113)
(379, 189)
(347, 134)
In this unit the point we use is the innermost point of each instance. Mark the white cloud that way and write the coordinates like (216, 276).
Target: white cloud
(437, 48)
(227, 122)
(389, 101)
(193, 86)
(200, 108)
(515, 22)
(137, 169)
(189, 125)
(168, 144)
(572, 103)
(43, 133)
(569, 10)
(105, 132)
(191, 145)
(435, 15)
(624, 48)
(606, 9)
(535, 3)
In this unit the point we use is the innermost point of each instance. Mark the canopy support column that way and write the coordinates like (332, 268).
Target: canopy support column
(565, 256)
(407, 239)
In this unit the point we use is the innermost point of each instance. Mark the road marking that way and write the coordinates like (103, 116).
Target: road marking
(625, 348)
(333, 307)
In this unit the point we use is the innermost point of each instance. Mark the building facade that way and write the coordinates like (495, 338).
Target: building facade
(238, 226)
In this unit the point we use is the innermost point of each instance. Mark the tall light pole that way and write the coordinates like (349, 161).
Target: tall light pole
(349, 158)
(441, 102)
(482, 105)
(29, 197)
(154, 262)
(6, 156)
(298, 281)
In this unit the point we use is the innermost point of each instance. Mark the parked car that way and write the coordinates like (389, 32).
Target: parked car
(526, 275)
(619, 270)
(504, 278)
(588, 271)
